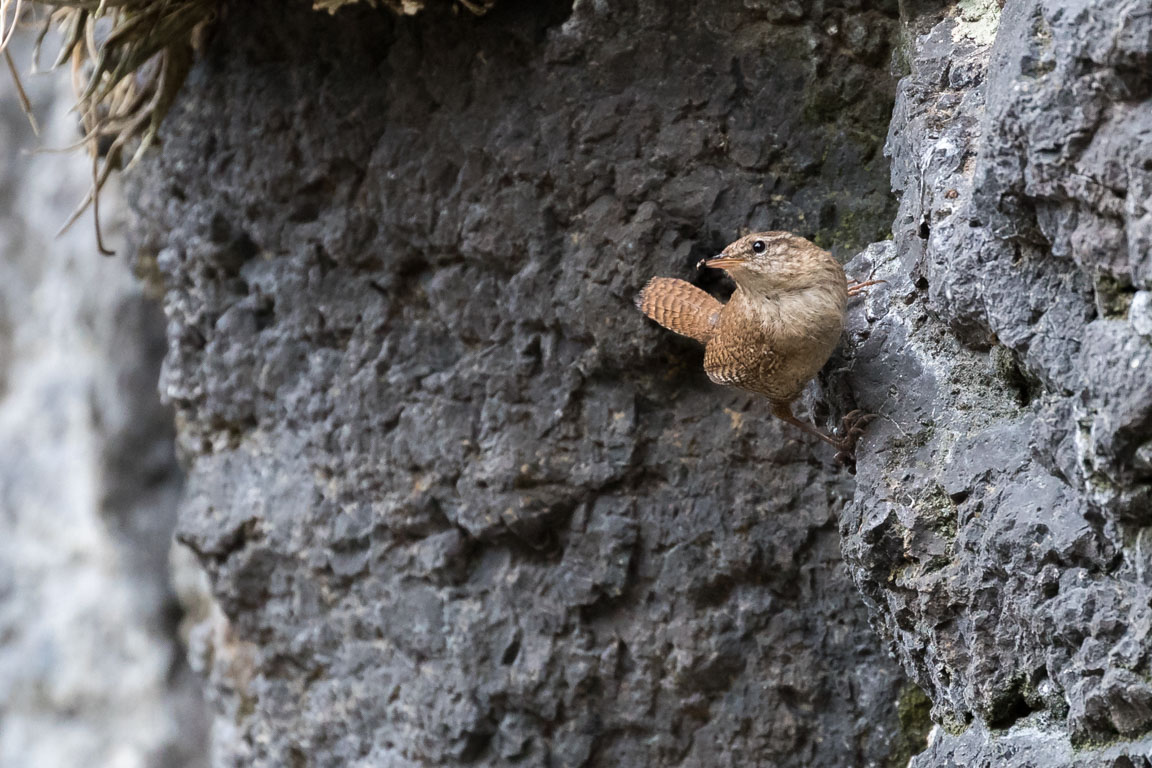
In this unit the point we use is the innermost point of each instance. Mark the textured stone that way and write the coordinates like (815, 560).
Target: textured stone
(997, 530)
(91, 673)
(459, 504)
(1033, 743)
(458, 501)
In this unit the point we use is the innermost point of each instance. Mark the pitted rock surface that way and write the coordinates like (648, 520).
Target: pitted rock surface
(458, 501)
(999, 528)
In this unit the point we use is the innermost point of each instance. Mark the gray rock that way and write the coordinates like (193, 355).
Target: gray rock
(1035, 741)
(91, 673)
(459, 502)
(997, 527)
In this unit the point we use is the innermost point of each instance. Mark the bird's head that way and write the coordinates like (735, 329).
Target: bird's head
(775, 262)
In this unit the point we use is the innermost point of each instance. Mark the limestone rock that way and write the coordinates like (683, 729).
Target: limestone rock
(458, 501)
(998, 528)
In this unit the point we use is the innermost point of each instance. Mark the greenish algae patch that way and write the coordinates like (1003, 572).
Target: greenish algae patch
(914, 713)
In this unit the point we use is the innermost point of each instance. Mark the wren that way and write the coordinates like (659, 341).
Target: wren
(776, 332)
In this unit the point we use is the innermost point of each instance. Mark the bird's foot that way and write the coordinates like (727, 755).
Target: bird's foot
(843, 439)
(848, 433)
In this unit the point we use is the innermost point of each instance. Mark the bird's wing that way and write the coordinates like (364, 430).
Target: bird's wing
(680, 307)
(737, 362)
(742, 356)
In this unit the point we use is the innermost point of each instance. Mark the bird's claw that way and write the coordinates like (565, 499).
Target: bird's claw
(847, 460)
(849, 431)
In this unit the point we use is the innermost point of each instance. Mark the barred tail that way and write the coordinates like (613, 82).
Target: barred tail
(680, 307)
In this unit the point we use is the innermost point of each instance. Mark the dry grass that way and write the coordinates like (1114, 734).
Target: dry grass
(128, 60)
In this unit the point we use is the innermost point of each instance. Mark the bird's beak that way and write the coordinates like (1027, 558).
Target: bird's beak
(720, 261)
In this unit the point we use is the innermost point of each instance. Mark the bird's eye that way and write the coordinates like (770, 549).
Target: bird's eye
(758, 246)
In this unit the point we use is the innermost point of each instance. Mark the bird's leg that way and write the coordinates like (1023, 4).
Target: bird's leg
(783, 411)
(845, 444)
(855, 289)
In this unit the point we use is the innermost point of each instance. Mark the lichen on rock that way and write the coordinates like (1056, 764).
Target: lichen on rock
(1012, 388)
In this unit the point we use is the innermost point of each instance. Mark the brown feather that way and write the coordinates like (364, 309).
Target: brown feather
(680, 307)
(779, 328)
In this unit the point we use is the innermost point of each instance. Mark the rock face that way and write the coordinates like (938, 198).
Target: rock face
(90, 670)
(459, 504)
(458, 501)
(998, 530)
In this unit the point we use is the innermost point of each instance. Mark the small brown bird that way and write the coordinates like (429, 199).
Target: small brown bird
(778, 329)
